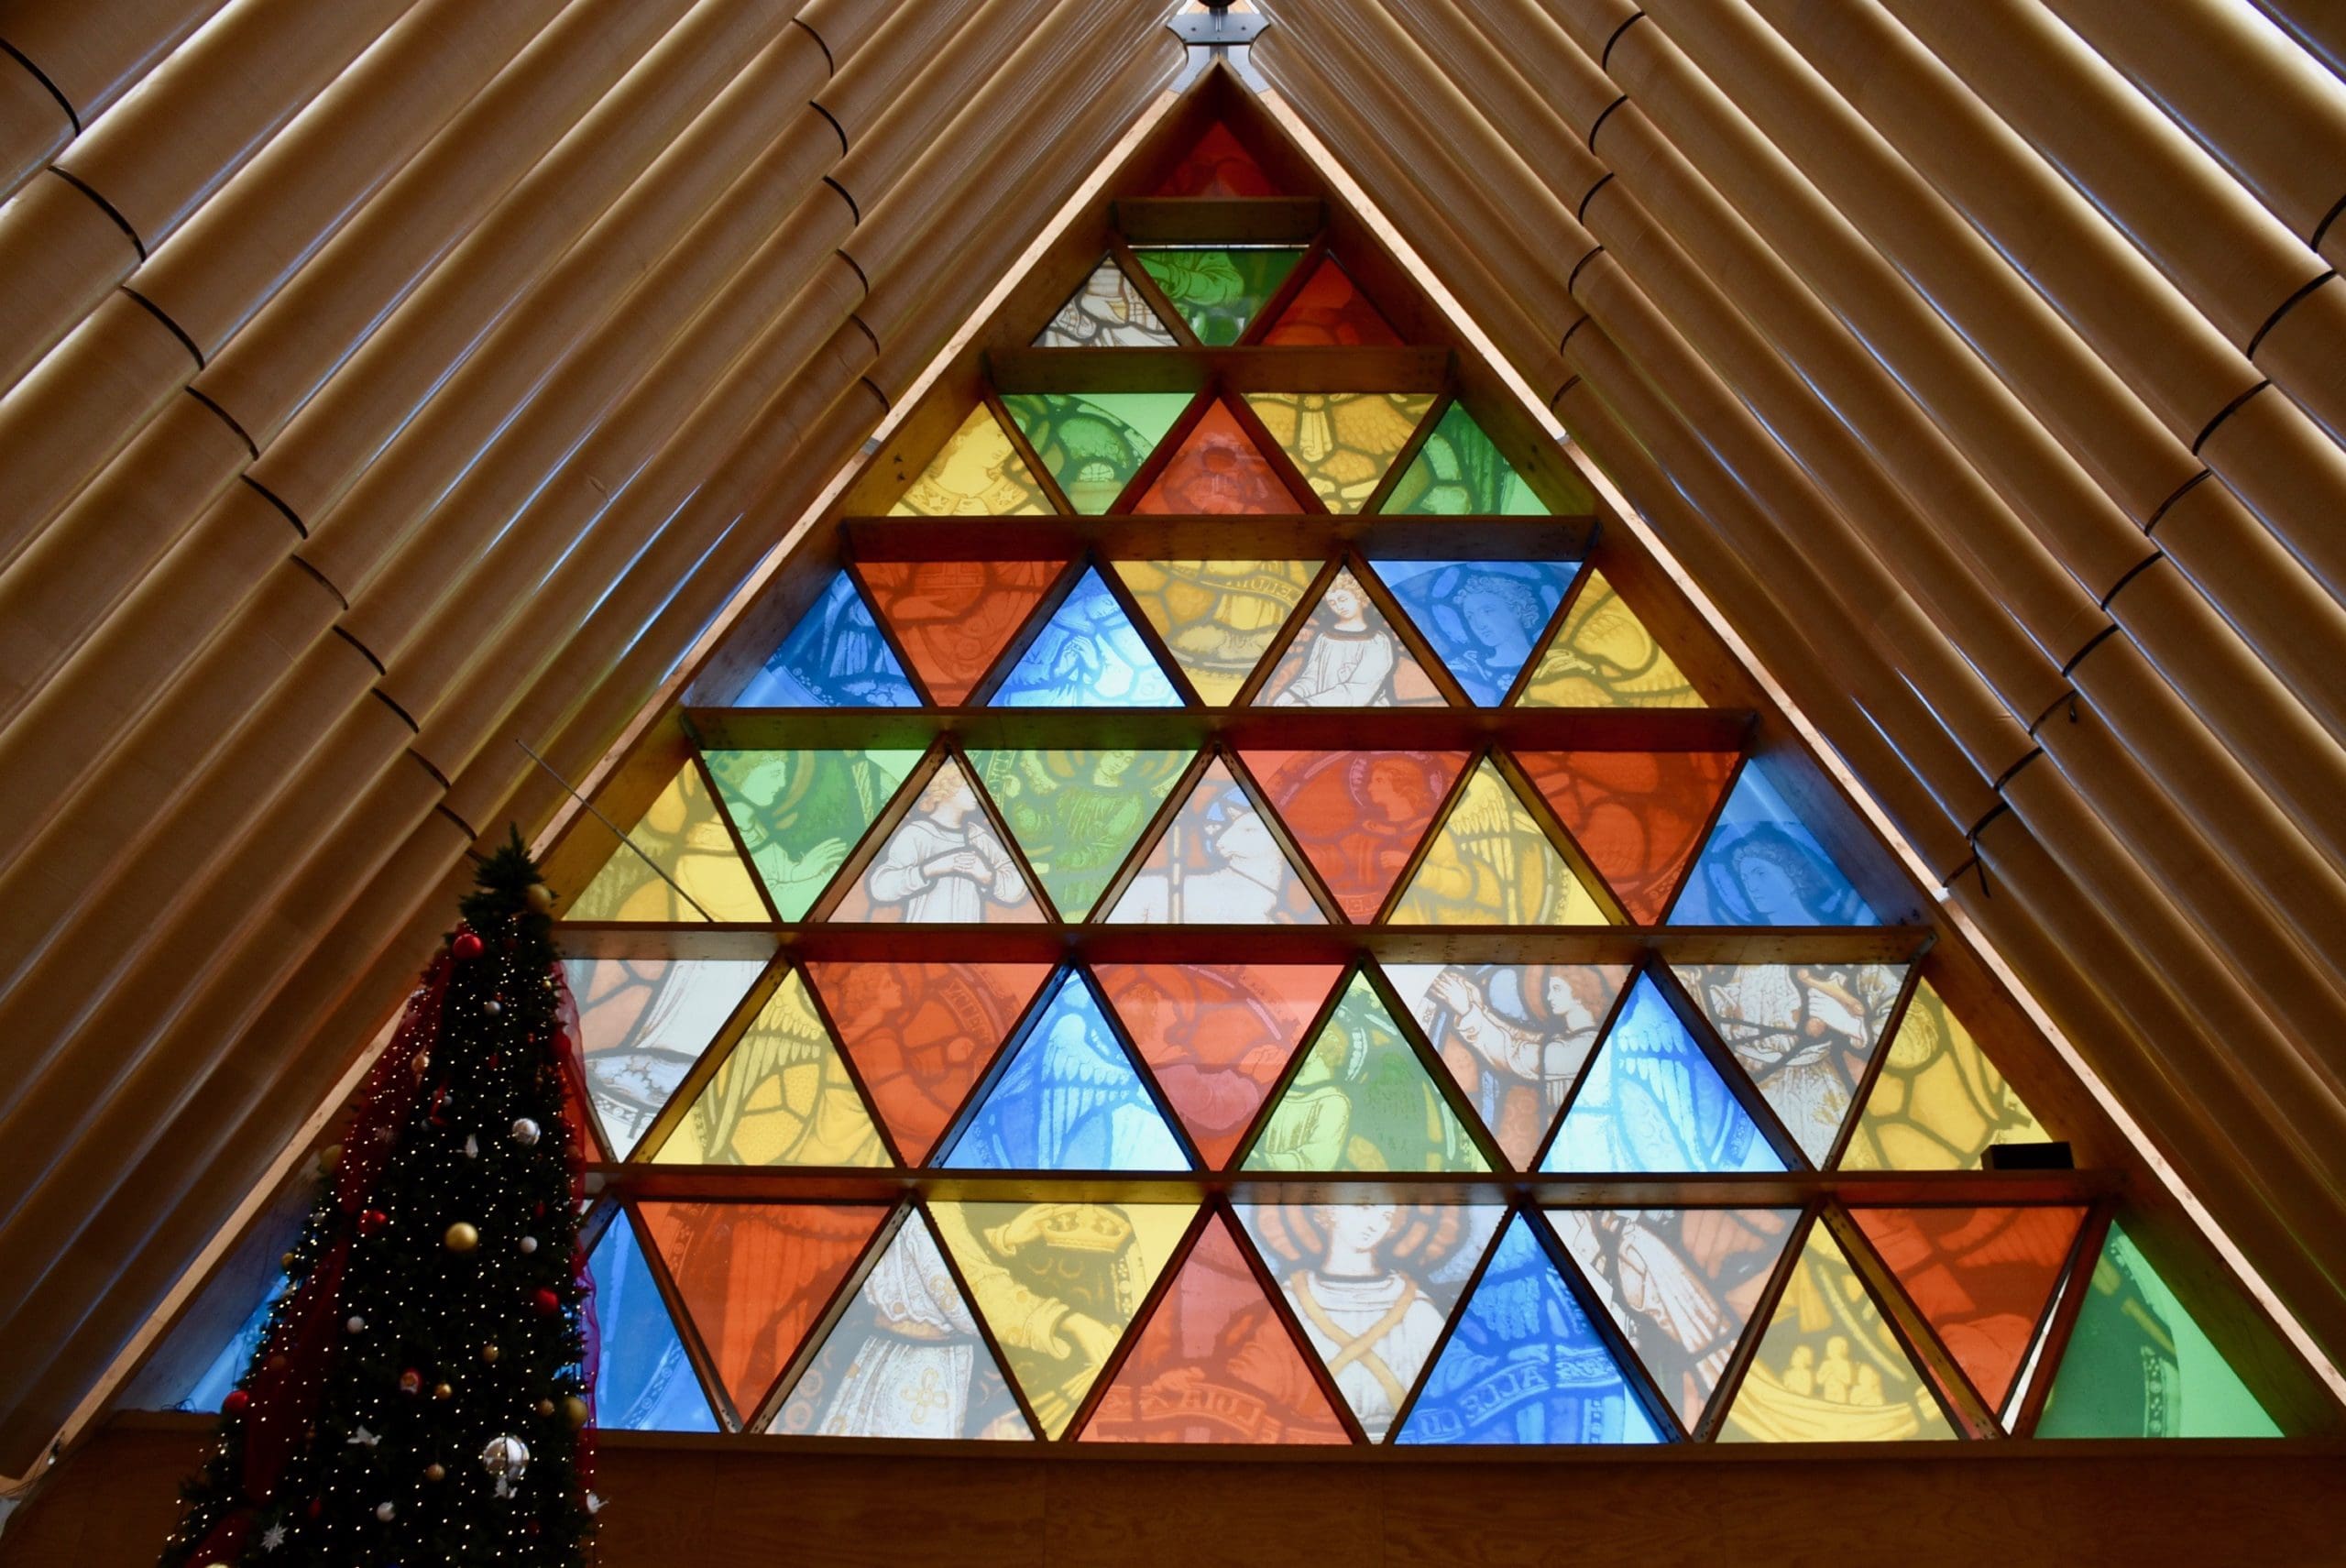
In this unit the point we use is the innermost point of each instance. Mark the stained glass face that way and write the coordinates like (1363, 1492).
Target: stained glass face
(1460, 472)
(1653, 1102)
(1804, 1033)
(644, 1380)
(1347, 656)
(1077, 813)
(1525, 1364)
(1980, 1277)
(1490, 865)
(1216, 1037)
(1058, 1284)
(678, 864)
(1329, 311)
(921, 1034)
(1681, 1284)
(1087, 655)
(1762, 867)
(1069, 1099)
(1217, 617)
(1217, 862)
(835, 657)
(954, 617)
(1362, 1100)
(641, 1024)
(1604, 657)
(1093, 443)
(1219, 289)
(1636, 815)
(1371, 1284)
(1342, 443)
(943, 862)
(1937, 1104)
(1356, 816)
(1218, 165)
(1106, 310)
(1515, 1036)
(1484, 617)
(1829, 1368)
(782, 1096)
(800, 814)
(977, 473)
(905, 1359)
(1217, 468)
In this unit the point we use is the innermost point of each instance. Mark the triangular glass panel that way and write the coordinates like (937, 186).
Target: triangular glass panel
(1089, 654)
(1217, 165)
(835, 657)
(905, 1358)
(677, 865)
(1217, 468)
(1604, 657)
(1078, 814)
(1681, 1284)
(1514, 1035)
(643, 1378)
(215, 1378)
(1342, 443)
(1484, 617)
(1217, 863)
(1093, 443)
(943, 862)
(1525, 1365)
(1460, 472)
(1214, 1364)
(1356, 816)
(1829, 1367)
(954, 617)
(1106, 310)
(641, 1024)
(1346, 655)
(1636, 815)
(2139, 1364)
(1217, 617)
(803, 813)
(920, 1034)
(1372, 1284)
(753, 1278)
(782, 1096)
(1216, 1037)
(1937, 1103)
(1219, 289)
(1654, 1103)
(1363, 1100)
(977, 473)
(1981, 1278)
(1058, 1284)
(1762, 867)
(1804, 1032)
(1069, 1099)
(1490, 865)
(1329, 311)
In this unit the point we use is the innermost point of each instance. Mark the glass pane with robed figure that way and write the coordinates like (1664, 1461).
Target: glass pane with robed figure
(1484, 617)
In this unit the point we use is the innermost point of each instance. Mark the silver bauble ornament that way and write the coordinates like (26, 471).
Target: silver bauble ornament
(528, 1244)
(384, 1511)
(525, 1131)
(506, 1456)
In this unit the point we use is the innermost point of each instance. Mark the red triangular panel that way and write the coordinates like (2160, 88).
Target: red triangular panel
(1217, 166)
(1218, 469)
(920, 1034)
(1638, 815)
(1357, 814)
(1329, 311)
(1981, 1278)
(1216, 1037)
(954, 617)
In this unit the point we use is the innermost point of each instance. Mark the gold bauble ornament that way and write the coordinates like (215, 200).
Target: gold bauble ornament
(435, 1473)
(329, 1156)
(488, 1354)
(441, 1391)
(462, 1237)
(574, 1410)
(420, 1063)
(540, 898)
(545, 1407)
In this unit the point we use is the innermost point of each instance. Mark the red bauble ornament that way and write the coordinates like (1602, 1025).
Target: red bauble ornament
(372, 1220)
(546, 1302)
(411, 1381)
(466, 947)
(234, 1405)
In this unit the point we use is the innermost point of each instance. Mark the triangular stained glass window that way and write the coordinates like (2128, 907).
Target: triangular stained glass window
(1342, 443)
(944, 862)
(977, 473)
(754, 1276)
(1515, 1036)
(1983, 1278)
(1362, 1100)
(1371, 1284)
(802, 813)
(1084, 1270)
(1938, 1102)
(782, 1096)
(1213, 1364)
(1329, 312)
(921, 1034)
(1093, 443)
(1604, 657)
(1069, 1099)
(1216, 1037)
(1524, 1364)
(1078, 814)
(835, 657)
(1460, 472)
(643, 1379)
(1680, 1284)
(1089, 654)
(1106, 310)
(1219, 289)
(1356, 816)
(677, 864)
(1638, 816)
(1347, 656)
(1484, 617)
(1762, 867)
(1217, 617)
(1217, 468)
(905, 1358)
(1218, 164)
(1804, 1032)
(1217, 863)
(1490, 865)
(1654, 1103)
(643, 1023)
(954, 617)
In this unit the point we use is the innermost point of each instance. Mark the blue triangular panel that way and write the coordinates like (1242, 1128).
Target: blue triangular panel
(835, 657)
(212, 1384)
(1763, 867)
(1070, 1098)
(644, 1381)
(1087, 655)
(1485, 618)
(1653, 1102)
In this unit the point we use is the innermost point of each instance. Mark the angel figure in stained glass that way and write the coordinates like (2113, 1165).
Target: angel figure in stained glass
(1502, 616)
(1521, 1053)
(1247, 883)
(1797, 1028)
(788, 797)
(945, 863)
(1348, 662)
(917, 1366)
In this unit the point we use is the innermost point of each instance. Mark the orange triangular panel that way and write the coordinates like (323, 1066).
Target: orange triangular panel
(1218, 165)
(1357, 815)
(922, 1033)
(1218, 469)
(1216, 1037)
(1638, 815)
(1330, 311)
(954, 617)
(1981, 1278)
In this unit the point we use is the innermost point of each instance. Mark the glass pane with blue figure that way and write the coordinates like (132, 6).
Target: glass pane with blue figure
(1654, 1103)
(644, 1381)
(1485, 618)
(835, 657)
(1089, 654)
(1069, 1099)
(220, 1375)
(1524, 1364)
(1763, 867)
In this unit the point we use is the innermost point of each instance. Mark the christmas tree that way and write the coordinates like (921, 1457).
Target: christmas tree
(421, 1394)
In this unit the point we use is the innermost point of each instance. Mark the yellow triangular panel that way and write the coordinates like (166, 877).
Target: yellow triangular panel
(683, 835)
(1342, 443)
(1217, 617)
(1937, 1103)
(1604, 657)
(1490, 865)
(781, 1097)
(977, 473)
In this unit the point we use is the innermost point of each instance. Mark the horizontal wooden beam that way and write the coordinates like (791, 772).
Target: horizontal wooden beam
(1190, 220)
(1218, 537)
(1311, 370)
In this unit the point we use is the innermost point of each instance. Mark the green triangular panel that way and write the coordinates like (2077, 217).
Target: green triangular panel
(1460, 471)
(1093, 443)
(1220, 289)
(1363, 1100)
(1077, 813)
(802, 813)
